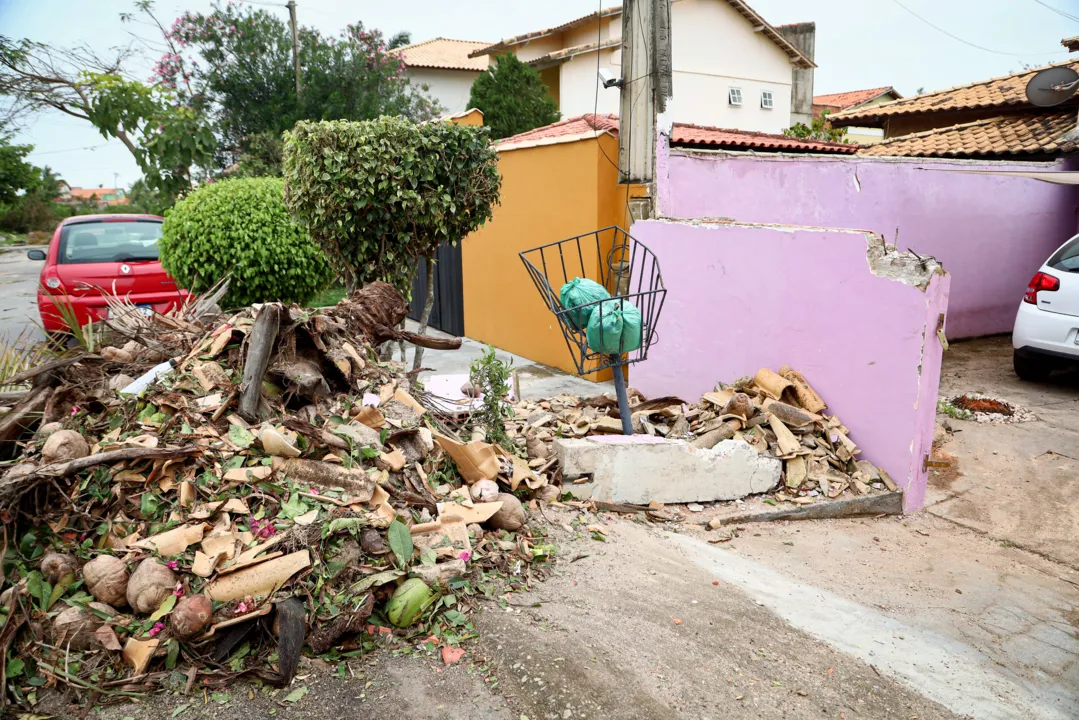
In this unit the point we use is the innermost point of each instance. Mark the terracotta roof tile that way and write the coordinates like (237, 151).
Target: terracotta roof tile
(796, 55)
(571, 127)
(443, 53)
(695, 135)
(681, 134)
(846, 100)
(1006, 91)
(1018, 134)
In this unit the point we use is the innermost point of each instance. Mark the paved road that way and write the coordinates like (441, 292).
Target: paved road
(18, 290)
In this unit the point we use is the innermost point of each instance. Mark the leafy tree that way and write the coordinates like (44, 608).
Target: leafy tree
(237, 63)
(513, 98)
(166, 139)
(377, 195)
(16, 175)
(241, 227)
(821, 129)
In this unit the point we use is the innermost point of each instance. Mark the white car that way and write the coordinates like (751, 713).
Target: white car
(1046, 333)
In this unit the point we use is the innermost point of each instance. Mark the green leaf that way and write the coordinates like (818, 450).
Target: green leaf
(179, 709)
(400, 540)
(149, 505)
(294, 507)
(240, 437)
(297, 694)
(428, 557)
(173, 654)
(164, 608)
(15, 667)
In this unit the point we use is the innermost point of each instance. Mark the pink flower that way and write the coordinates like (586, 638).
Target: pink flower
(465, 555)
(157, 628)
(172, 565)
(179, 591)
(75, 410)
(242, 608)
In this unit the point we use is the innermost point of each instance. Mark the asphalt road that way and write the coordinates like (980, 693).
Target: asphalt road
(18, 290)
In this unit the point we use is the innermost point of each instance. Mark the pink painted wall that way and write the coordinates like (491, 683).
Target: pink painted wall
(990, 233)
(742, 297)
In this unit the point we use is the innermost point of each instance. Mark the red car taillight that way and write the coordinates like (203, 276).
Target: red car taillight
(51, 283)
(1040, 282)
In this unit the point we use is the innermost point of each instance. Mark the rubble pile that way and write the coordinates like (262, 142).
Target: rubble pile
(778, 414)
(984, 409)
(276, 486)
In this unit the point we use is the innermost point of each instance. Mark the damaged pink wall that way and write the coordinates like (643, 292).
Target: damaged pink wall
(991, 233)
(742, 297)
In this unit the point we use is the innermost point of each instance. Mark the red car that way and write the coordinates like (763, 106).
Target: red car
(94, 254)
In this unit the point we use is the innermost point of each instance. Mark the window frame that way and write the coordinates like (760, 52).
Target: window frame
(731, 90)
(771, 100)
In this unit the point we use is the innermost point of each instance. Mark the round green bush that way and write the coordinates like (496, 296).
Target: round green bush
(242, 227)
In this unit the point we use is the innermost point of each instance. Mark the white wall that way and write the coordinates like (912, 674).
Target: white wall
(536, 48)
(450, 87)
(713, 49)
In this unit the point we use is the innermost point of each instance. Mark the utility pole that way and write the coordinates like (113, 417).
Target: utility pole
(291, 5)
(646, 85)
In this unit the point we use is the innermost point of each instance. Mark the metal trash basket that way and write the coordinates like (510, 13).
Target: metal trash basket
(630, 273)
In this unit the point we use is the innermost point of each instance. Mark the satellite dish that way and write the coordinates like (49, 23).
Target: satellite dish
(1052, 86)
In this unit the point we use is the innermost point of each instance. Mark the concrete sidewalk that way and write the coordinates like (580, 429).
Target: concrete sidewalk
(535, 380)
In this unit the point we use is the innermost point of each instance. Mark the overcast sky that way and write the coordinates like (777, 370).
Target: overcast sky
(860, 44)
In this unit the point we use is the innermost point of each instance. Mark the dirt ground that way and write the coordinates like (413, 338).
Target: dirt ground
(1016, 483)
(967, 609)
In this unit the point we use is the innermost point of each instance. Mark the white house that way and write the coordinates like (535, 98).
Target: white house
(731, 68)
(444, 66)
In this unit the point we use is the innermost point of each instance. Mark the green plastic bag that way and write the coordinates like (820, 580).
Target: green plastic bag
(577, 292)
(615, 326)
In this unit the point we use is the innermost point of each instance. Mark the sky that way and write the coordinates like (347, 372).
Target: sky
(860, 44)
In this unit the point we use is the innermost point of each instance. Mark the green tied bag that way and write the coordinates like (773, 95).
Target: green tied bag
(578, 292)
(615, 326)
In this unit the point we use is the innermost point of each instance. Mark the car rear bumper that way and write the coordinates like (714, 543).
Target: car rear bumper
(92, 308)
(1038, 332)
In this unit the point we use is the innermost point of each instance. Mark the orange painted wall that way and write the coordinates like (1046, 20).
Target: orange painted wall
(549, 193)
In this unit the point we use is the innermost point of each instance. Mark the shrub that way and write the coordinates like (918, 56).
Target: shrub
(381, 193)
(241, 227)
(513, 98)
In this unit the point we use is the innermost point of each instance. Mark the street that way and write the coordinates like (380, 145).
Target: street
(18, 290)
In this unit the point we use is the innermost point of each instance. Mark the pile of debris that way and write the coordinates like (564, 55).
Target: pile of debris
(984, 409)
(205, 496)
(778, 414)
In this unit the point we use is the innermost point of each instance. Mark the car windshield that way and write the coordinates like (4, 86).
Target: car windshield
(1066, 259)
(100, 242)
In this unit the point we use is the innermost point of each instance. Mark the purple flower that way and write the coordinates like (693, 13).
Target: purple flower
(172, 565)
(157, 628)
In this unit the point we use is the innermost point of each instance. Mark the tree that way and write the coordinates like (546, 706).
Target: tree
(237, 64)
(821, 129)
(166, 139)
(513, 98)
(377, 195)
(16, 175)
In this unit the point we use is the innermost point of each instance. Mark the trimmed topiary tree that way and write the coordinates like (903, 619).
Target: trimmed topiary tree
(377, 195)
(241, 227)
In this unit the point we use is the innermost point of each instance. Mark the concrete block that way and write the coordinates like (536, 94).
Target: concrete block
(640, 468)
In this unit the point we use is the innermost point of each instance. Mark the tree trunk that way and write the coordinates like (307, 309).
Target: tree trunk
(428, 304)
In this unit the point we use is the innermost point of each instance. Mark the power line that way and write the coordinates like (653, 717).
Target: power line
(1071, 17)
(54, 152)
(967, 42)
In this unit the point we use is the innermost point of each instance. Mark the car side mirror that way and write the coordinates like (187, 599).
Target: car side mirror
(35, 254)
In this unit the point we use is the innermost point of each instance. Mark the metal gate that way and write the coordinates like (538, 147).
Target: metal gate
(448, 313)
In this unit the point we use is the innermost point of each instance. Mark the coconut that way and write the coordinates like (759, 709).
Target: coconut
(547, 493)
(191, 615)
(115, 354)
(408, 601)
(57, 566)
(74, 628)
(64, 445)
(511, 516)
(150, 584)
(49, 428)
(484, 491)
(106, 579)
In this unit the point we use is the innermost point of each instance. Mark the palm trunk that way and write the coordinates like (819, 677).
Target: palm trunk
(428, 304)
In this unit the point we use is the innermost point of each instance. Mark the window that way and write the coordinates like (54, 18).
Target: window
(766, 99)
(734, 96)
(96, 241)
(1066, 259)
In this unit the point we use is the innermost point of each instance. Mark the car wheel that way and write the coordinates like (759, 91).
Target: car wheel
(1031, 368)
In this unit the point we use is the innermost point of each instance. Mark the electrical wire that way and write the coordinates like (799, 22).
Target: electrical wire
(1071, 17)
(967, 42)
(595, 105)
(54, 152)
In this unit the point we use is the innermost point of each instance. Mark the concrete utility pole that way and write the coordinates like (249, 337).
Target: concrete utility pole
(646, 85)
(291, 5)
